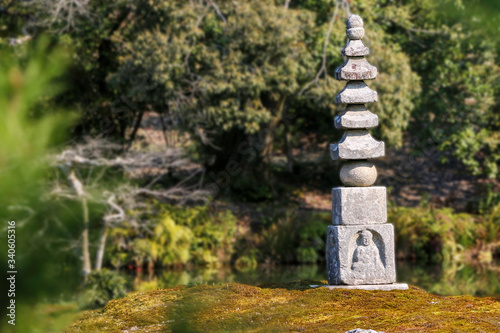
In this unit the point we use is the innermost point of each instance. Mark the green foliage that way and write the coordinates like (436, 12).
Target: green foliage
(248, 260)
(180, 235)
(291, 237)
(30, 128)
(424, 233)
(230, 77)
(458, 107)
(492, 225)
(101, 287)
(489, 198)
(247, 189)
(169, 244)
(437, 235)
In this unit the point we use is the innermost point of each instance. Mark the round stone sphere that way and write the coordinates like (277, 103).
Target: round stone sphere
(359, 173)
(355, 33)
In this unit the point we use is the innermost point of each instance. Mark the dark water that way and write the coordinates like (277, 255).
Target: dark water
(450, 280)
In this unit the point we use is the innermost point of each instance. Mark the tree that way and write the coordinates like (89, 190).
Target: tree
(234, 74)
(30, 74)
(95, 160)
(247, 79)
(458, 108)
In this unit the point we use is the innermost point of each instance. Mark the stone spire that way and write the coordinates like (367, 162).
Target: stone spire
(357, 144)
(360, 244)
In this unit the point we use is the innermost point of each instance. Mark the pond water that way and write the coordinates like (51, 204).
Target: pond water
(454, 279)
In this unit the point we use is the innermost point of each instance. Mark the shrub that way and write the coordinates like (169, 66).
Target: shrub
(293, 237)
(180, 235)
(100, 287)
(433, 234)
(212, 232)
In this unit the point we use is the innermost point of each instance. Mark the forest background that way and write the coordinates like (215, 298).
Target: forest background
(146, 134)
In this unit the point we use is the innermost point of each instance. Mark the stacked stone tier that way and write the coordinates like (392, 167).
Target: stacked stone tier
(356, 92)
(355, 48)
(356, 116)
(357, 145)
(356, 69)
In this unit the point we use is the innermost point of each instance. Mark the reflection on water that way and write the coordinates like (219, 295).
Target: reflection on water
(451, 280)
(455, 279)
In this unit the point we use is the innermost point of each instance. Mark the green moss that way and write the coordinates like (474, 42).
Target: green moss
(290, 307)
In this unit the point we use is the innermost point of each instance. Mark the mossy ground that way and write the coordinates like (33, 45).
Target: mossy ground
(292, 307)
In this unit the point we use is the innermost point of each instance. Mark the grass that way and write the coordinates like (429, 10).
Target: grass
(290, 307)
(42, 318)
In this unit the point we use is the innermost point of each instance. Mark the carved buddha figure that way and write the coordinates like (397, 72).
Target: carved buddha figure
(366, 259)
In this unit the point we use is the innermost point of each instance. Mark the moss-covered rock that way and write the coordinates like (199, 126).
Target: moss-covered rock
(292, 307)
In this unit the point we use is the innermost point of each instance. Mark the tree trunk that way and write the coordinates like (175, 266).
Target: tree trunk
(287, 147)
(101, 247)
(78, 187)
(87, 265)
(269, 139)
(164, 130)
(136, 128)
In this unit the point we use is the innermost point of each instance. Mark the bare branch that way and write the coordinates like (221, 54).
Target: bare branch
(120, 216)
(325, 46)
(77, 185)
(62, 14)
(327, 40)
(204, 138)
(429, 32)
(346, 8)
(217, 10)
(103, 154)
(94, 153)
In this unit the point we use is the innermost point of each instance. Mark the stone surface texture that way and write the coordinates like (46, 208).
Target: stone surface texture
(360, 242)
(360, 330)
(356, 69)
(357, 145)
(354, 27)
(356, 92)
(360, 254)
(355, 33)
(354, 21)
(355, 48)
(358, 173)
(359, 205)
(385, 287)
(356, 120)
(356, 116)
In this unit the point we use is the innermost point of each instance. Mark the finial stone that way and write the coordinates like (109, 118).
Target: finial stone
(354, 21)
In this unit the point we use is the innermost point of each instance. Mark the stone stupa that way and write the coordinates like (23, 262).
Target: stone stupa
(360, 242)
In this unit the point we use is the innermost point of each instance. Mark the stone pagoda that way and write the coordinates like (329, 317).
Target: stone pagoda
(360, 242)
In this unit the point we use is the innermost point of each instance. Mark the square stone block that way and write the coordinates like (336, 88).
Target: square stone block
(359, 205)
(360, 255)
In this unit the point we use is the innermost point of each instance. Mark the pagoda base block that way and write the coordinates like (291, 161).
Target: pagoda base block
(386, 287)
